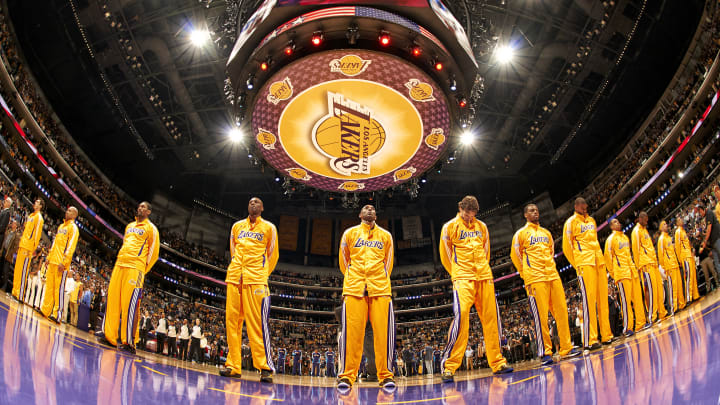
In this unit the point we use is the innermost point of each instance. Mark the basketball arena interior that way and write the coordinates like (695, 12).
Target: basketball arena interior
(359, 202)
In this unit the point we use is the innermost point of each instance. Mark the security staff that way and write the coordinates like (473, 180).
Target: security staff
(465, 254)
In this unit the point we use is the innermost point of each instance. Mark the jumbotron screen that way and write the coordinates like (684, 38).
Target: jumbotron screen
(351, 120)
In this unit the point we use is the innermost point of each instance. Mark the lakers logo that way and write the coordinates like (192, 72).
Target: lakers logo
(280, 91)
(266, 139)
(404, 174)
(435, 139)
(420, 91)
(348, 135)
(351, 186)
(349, 65)
(298, 174)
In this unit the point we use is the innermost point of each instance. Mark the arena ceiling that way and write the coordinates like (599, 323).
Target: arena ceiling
(150, 108)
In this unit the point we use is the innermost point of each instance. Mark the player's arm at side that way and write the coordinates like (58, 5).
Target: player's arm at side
(608, 257)
(567, 242)
(516, 252)
(446, 248)
(272, 251)
(344, 253)
(389, 254)
(72, 244)
(153, 249)
(635, 242)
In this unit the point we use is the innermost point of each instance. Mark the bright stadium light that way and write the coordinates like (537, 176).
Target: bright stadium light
(504, 54)
(235, 135)
(199, 37)
(467, 138)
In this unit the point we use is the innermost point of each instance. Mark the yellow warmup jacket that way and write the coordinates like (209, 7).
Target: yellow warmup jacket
(63, 247)
(717, 210)
(465, 250)
(533, 254)
(666, 252)
(141, 246)
(33, 232)
(366, 260)
(580, 243)
(683, 249)
(642, 247)
(254, 249)
(619, 262)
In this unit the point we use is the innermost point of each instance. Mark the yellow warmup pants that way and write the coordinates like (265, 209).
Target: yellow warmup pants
(631, 295)
(53, 301)
(654, 292)
(594, 289)
(248, 303)
(123, 304)
(22, 270)
(544, 296)
(690, 273)
(355, 314)
(675, 285)
(467, 293)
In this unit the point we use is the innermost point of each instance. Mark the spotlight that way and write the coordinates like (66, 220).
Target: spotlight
(289, 48)
(462, 103)
(264, 65)
(438, 66)
(235, 135)
(250, 82)
(317, 38)
(504, 54)
(277, 179)
(199, 37)
(453, 85)
(384, 38)
(416, 51)
(467, 138)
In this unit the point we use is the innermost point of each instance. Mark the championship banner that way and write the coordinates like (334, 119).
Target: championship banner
(321, 239)
(351, 121)
(412, 228)
(288, 232)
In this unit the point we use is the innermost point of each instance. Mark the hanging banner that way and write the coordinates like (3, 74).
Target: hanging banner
(321, 242)
(288, 232)
(412, 228)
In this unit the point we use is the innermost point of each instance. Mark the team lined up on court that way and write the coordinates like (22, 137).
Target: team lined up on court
(366, 261)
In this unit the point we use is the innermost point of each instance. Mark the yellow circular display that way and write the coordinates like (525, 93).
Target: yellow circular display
(350, 129)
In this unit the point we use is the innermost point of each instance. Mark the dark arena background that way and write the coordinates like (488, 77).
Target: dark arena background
(172, 125)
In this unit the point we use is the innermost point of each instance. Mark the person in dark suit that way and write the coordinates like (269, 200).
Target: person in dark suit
(5, 215)
(10, 245)
(145, 326)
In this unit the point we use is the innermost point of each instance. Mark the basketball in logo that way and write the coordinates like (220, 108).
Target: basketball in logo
(328, 136)
(348, 135)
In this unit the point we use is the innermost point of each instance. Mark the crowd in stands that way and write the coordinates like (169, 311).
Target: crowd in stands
(626, 166)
